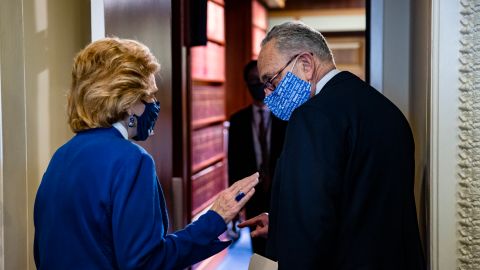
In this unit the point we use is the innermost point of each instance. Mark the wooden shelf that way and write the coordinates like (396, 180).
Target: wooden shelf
(217, 41)
(197, 124)
(207, 183)
(220, 2)
(203, 82)
(204, 164)
(207, 103)
(202, 207)
(208, 81)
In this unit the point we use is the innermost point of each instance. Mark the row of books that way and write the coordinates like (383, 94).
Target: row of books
(206, 184)
(208, 102)
(215, 22)
(207, 108)
(208, 62)
(207, 144)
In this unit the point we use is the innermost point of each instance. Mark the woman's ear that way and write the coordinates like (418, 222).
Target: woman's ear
(137, 108)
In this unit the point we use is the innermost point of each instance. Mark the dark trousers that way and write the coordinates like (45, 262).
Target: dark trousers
(259, 245)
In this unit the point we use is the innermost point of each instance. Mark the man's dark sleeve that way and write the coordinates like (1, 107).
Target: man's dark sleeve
(304, 214)
(234, 151)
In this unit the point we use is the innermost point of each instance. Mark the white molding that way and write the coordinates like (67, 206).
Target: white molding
(468, 206)
(326, 23)
(97, 13)
(434, 167)
(376, 43)
(390, 51)
(2, 238)
(445, 46)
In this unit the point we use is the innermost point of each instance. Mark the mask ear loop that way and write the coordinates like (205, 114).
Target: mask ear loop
(294, 63)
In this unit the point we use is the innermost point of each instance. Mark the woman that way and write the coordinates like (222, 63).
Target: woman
(99, 205)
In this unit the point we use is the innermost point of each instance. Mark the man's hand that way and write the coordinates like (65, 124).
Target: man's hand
(258, 225)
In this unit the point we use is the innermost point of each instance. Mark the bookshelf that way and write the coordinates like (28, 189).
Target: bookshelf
(246, 26)
(259, 27)
(207, 113)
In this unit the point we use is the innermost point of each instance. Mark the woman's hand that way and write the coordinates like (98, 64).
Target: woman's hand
(230, 201)
(258, 225)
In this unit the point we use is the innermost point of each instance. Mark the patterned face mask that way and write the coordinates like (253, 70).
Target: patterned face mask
(290, 93)
(146, 121)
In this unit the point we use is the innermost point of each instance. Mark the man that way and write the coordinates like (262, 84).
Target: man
(254, 144)
(342, 195)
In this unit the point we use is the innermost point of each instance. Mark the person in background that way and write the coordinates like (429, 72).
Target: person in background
(254, 144)
(343, 192)
(99, 204)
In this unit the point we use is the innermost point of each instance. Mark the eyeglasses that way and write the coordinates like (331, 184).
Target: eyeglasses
(269, 83)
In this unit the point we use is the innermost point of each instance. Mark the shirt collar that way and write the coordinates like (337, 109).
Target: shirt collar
(325, 79)
(257, 108)
(121, 128)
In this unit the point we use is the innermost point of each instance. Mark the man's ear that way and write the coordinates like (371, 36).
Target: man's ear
(307, 66)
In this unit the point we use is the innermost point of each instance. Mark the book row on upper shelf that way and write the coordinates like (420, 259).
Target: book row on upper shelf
(215, 22)
(206, 184)
(208, 62)
(207, 146)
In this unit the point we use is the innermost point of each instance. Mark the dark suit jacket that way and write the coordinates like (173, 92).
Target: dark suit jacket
(343, 195)
(241, 155)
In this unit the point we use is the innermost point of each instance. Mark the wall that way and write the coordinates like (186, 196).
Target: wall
(324, 20)
(434, 113)
(14, 208)
(420, 103)
(444, 124)
(390, 23)
(399, 68)
(426, 91)
(238, 35)
(150, 21)
(39, 40)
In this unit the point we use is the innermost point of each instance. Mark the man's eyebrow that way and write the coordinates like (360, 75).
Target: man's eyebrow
(266, 77)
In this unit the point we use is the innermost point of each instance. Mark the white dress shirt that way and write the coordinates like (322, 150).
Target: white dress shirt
(323, 81)
(268, 128)
(121, 128)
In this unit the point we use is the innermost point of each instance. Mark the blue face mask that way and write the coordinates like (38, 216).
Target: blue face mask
(146, 121)
(290, 93)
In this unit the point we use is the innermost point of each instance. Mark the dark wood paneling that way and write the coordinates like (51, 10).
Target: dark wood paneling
(239, 52)
(180, 105)
(149, 21)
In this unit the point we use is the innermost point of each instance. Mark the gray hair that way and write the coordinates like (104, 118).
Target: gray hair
(296, 37)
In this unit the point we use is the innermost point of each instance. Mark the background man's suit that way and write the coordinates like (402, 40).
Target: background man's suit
(342, 194)
(242, 161)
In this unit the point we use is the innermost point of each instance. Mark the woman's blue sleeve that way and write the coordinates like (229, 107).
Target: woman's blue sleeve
(139, 224)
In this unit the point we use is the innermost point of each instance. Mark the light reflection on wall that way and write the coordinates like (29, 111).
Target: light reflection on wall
(43, 127)
(41, 18)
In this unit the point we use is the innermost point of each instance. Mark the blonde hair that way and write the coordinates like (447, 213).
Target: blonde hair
(108, 77)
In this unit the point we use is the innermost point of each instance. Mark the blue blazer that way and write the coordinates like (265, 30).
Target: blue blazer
(99, 206)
